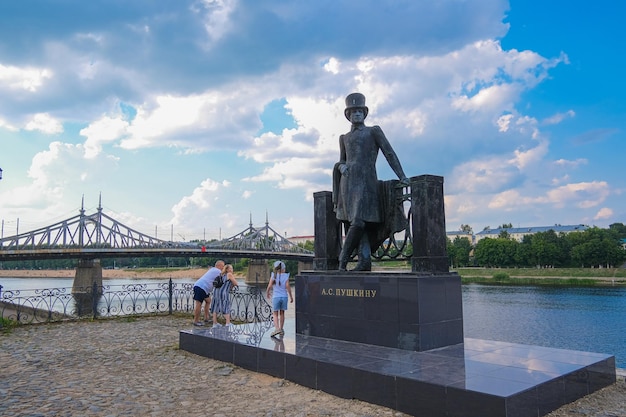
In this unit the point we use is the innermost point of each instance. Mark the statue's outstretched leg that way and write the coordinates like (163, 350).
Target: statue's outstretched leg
(365, 255)
(353, 238)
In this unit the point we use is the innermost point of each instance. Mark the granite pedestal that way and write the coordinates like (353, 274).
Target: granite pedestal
(475, 378)
(402, 310)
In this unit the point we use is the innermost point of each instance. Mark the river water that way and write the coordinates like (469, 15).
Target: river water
(589, 319)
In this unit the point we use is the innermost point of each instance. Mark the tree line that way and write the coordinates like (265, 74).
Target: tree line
(592, 248)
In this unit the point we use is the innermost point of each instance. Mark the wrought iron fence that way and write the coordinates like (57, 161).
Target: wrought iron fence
(57, 304)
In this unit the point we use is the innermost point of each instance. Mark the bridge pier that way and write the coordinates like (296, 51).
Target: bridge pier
(304, 266)
(87, 286)
(258, 272)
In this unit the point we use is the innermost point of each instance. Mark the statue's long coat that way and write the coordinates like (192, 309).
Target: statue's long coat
(357, 196)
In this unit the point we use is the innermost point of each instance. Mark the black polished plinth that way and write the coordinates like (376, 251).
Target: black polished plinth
(395, 309)
(476, 378)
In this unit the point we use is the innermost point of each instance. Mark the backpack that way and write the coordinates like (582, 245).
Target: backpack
(218, 281)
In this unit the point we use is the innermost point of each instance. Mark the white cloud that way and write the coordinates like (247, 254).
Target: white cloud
(26, 78)
(582, 194)
(199, 207)
(57, 182)
(488, 99)
(559, 117)
(224, 118)
(459, 208)
(44, 123)
(416, 122)
(333, 65)
(508, 200)
(571, 164)
(560, 180)
(531, 157)
(484, 175)
(603, 213)
(216, 16)
(504, 122)
(6, 125)
(169, 115)
(104, 130)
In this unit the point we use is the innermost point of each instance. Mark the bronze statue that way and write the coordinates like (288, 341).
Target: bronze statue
(358, 196)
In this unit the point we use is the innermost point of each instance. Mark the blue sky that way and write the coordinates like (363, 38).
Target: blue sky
(195, 116)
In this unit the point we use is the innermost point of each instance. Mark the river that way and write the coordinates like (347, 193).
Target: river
(589, 319)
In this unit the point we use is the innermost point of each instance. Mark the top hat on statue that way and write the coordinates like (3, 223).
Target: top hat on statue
(355, 101)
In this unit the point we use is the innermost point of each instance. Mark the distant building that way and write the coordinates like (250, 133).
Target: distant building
(301, 239)
(518, 233)
(460, 234)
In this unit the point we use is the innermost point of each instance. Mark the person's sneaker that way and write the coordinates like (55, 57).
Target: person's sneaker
(198, 323)
(282, 332)
(207, 321)
(275, 332)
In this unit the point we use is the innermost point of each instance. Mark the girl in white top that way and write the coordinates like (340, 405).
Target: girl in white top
(279, 282)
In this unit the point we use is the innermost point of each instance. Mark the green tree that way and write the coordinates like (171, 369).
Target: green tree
(523, 254)
(619, 229)
(466, 228)
(485, 252)
(504, 235)
(308, 245)
(508, 251)
(463, 248)
(499, 252)
(545, 249)
(451, 251)
(596, 247)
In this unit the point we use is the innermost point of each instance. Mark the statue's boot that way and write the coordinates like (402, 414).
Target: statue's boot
(353, 237)
(365, 255)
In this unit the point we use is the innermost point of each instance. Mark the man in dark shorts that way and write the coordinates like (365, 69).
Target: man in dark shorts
(202, 292)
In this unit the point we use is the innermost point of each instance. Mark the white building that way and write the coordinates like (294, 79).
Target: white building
(301, 239)
(518, 233)
(461, 234)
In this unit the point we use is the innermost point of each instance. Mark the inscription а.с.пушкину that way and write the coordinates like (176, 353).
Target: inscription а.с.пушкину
(349, 292)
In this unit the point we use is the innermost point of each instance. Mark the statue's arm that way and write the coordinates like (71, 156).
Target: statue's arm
(339, 169)
(389, 153)
(341, 165)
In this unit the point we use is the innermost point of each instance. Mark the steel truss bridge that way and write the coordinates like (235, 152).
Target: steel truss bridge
(98, 236)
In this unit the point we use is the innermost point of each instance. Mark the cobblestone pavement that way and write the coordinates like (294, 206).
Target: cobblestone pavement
(133, 367)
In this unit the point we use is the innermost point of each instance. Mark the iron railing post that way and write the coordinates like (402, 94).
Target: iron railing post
(257, 303)
(170, 295)
(94, 299)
